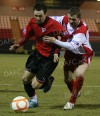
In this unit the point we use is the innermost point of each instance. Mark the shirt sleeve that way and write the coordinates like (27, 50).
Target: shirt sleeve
(61, 36)
(76, 42)
(58, 47)
(27, 33)
(66, 45)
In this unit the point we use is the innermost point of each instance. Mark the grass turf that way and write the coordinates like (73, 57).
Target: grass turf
(51, 103)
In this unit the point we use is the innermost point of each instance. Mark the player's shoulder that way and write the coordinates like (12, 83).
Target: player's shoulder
(82, 28)
(53, 21)
(65, 18)
(32, 20)
(58, 18)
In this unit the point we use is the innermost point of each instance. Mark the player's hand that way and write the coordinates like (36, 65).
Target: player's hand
(49, 39)
(14, 47)
(56, 58)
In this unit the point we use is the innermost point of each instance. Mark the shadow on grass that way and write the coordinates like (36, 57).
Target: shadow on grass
(11, 90)
(57, 107)
(27, 112)
(87, 106)
(79, 106)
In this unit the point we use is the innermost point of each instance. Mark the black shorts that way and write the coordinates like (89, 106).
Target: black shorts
(42, 66)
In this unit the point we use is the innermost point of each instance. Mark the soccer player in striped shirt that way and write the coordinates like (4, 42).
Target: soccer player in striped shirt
(78, 54)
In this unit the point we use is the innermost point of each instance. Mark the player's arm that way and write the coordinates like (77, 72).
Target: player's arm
(26, 35)
(66, 45)
(56, 52)
(74, 44)
(60, 38)
(58, 48)
(59, 33)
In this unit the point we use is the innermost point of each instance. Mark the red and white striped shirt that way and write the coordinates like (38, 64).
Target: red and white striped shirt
(78, 39)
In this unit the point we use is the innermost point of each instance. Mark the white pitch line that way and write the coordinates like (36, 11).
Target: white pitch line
(6, 84)
(92, 86)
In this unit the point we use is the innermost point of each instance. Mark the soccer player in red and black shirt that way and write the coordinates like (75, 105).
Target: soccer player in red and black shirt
(44, 59)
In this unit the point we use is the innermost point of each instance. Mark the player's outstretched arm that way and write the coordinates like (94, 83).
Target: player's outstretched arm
(49, 39)
(66, 45)
(14, 47)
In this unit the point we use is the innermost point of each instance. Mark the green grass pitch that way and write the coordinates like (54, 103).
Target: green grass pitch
(51, 103)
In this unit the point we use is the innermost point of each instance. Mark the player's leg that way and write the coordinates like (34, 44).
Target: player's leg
(48, 84)
(26, 78)
(43, 78)
(80, 71)
(27, 82)
(36, 84)
(71, 62)
(49, 67)
(30, 72)
(69, 68)
(68, 79)
(40, 82)
(42, 71)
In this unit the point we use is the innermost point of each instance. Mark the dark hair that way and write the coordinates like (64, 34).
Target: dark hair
(75, 11)
(40, 6)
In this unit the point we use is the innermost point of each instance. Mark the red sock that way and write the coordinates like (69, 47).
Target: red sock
(70, 85)
(76, 88)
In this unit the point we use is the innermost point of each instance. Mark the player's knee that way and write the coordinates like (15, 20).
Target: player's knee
(78, 74)
(36, 85)
(25, 80)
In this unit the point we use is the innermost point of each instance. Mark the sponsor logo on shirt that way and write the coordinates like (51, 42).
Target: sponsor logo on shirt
(75, 42)
(24, 31)
(43, 29)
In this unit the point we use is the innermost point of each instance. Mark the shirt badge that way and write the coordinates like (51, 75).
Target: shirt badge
(43, 29)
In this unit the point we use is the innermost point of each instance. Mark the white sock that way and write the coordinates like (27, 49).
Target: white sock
(34, 98)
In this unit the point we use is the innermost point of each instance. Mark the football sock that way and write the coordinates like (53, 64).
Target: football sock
(76, 88)
(70, 85)
(29, 90)
(34, 98)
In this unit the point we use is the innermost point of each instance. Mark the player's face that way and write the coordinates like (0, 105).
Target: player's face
(39, 16)
(73, 20)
